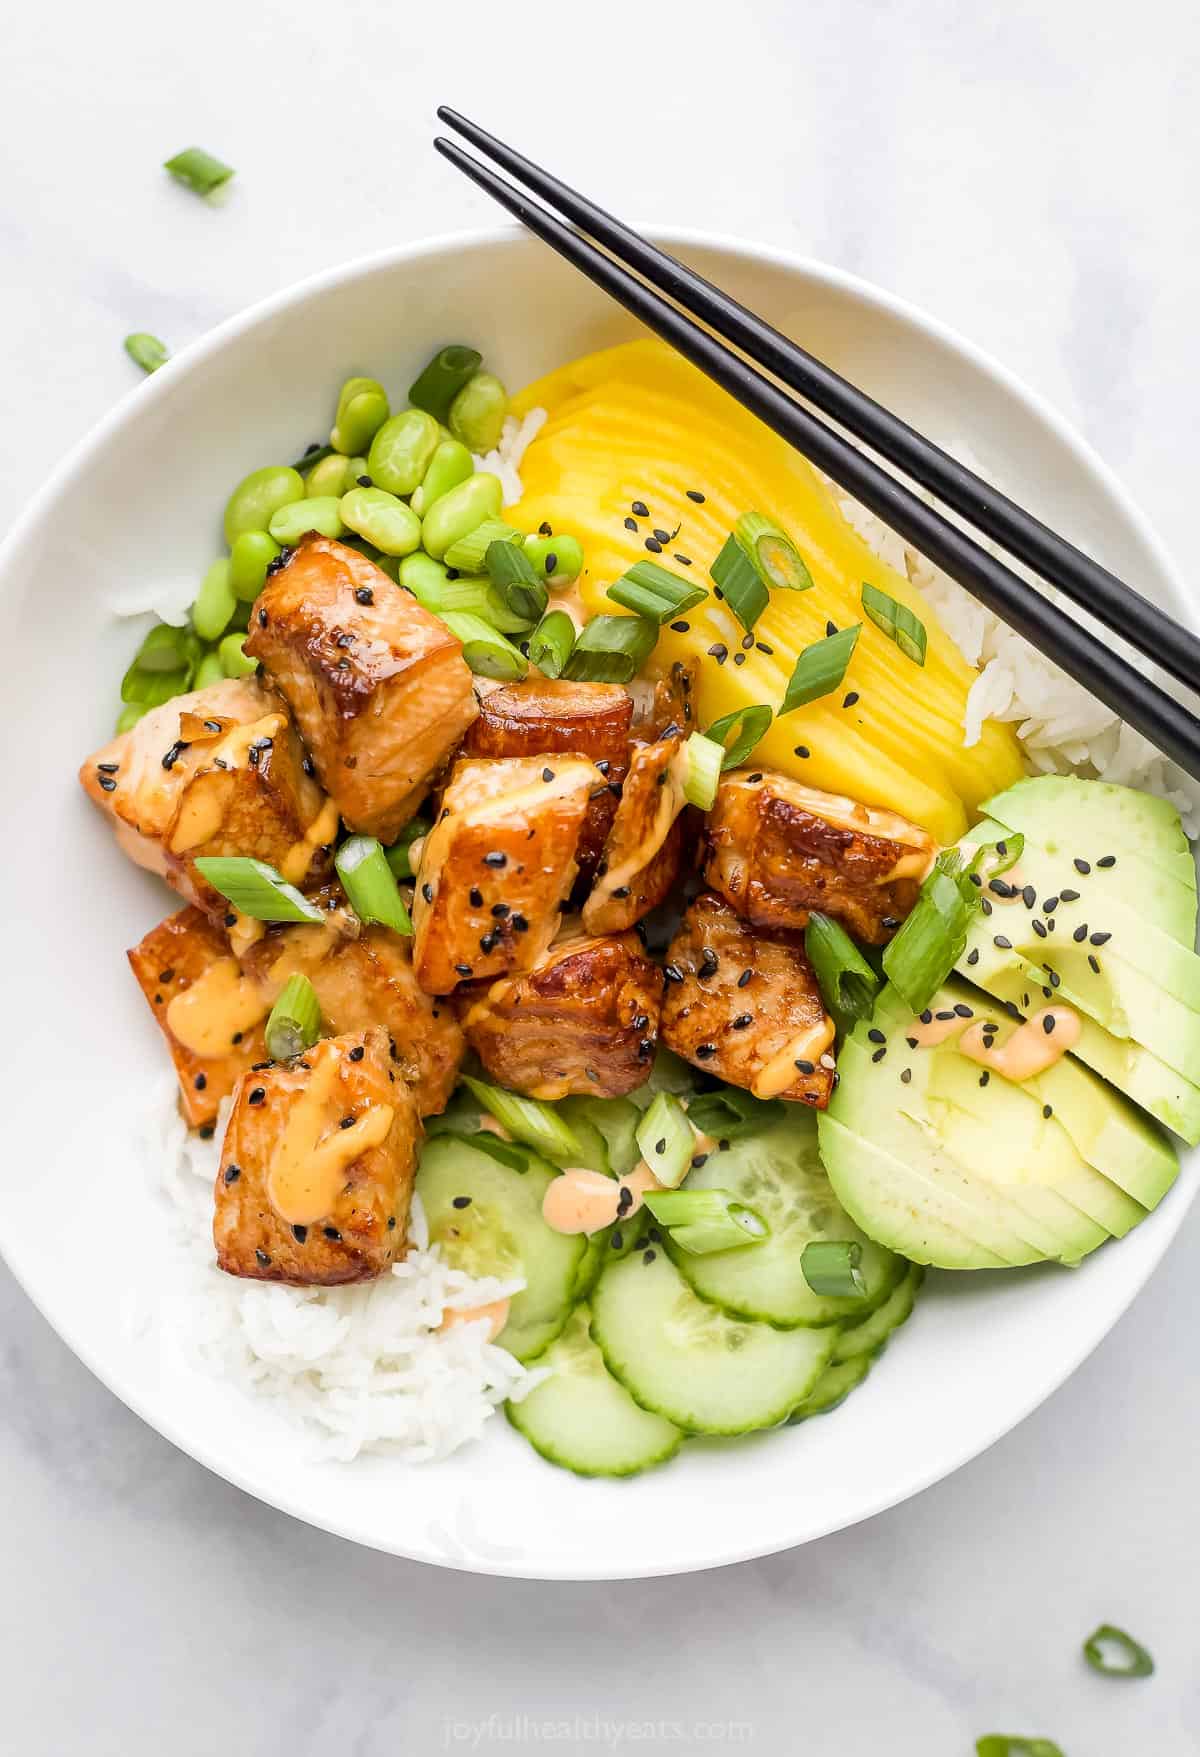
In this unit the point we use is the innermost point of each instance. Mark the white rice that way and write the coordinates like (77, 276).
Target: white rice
(515, 439)
(356, 1369)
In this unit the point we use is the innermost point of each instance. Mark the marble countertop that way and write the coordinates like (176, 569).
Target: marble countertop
(1027, 173)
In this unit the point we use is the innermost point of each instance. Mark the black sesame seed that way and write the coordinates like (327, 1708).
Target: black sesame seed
(631, 524)
(709, 963)
(475, 896)
(639, 508)
(333, 1233)
(663, 536)
(984, 1077)
(801, 750)
(1069, 896)
(653, 545)
(673, 973)
(1084, 866)
(232, 1173)
(621, 892)
(364, 481)
(427, 891)
(830, 629)
(519, 924)
(365, 595)
(1050, 905)
(461, 1202)
(683, 560)
(850, 698)
(391, 1222)
(739, 658)
(1101, 939)
(705, 1050)
(309, 767)
(357, 1053)
(1094, 961)
(547, 774)
(107, 784)
(875, 1035)
(299, 1233)
(879, 1055)
(1002, 940)
(114, 768)
(172, 756)
(963, 1010)
(262, 621)
(681, 627)
(1055, 978)
(645, 1049)
(1029, 897)
(206, 1131)
(603, 764)
(1047, 1111)
(1080, 933)
(744, 978)
(718, 651)
(487, 942)
(263, 1259)
(926, 1017)
(551, 562)
(200, 1082)
(1048, 1024)
(986, 905)
(906, 1076)
(1039, 927)
(806, 1067)
(649, 1256)
(615, 1240)
(463, 969)
(742, 1020)
(1107, 860)
(695, 494)
(257, 1096)
(545, 529)
(495, 858)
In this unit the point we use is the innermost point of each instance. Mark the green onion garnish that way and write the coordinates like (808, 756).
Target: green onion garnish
(198, 170)
(427, 580)
(831, 1267)
(528, 1119)
(820, 668)
(740, 583)
(551, 643)
(511, 572)
(256, 889)
(487, 653)
(730, 1112)
(702, 759)
(1114, 1654)
(146, 351)
(506, 1153)
(611, 649)
(370, 884)
(1008, 1745)
(317, 455)
(399, 855)
(931, 940)
(436, 387)
(295, 1021)
(751, 724)
(470, 552)
(703, 1221)
(650, 590)
(897, 621)
(773, 554)
(667, 1140)
(994, 859)
(847, 982)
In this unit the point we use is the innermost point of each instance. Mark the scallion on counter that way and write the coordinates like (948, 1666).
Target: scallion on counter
(750, 723)
(831, 1268)
(198, 170)
(295, 1020)
(611, 649)
(1010, 1745)
(653, 591)
(820, 668)
(370, 884)
(667, 1140)
(256, 889)
(897, 622)
(146, 351)
(1114, 1654)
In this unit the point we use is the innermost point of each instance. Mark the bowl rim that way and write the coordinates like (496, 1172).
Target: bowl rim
(191, 359)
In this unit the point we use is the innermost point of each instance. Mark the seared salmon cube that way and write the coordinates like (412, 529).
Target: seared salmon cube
(543, 717)
(317, 1166)
(778, 850)
(643, 853)
(584, 1019)
(744, 1004)
(496, 867)
(210, 1016)
(378, 686)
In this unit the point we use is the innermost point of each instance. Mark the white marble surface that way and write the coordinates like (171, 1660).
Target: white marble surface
(1027, 172)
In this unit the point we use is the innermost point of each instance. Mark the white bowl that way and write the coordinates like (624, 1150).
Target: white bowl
(138, 503)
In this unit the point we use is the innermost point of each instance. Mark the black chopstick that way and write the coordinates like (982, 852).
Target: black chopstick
(1143, 704)
(1081, 579)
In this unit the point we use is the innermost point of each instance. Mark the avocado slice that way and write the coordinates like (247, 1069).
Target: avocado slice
(1091, 820)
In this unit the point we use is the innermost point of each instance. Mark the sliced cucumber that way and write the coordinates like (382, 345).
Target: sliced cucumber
(777, 1171)
(834, 1386)
(874, 1330)
(685, 1360)
(606, 1247)
(500, 1231)
(582, 1419)
(614, 1120)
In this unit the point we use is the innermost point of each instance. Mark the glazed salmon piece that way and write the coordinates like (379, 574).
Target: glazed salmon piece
(778, 849)
(544, 717)
(743, 1004)
(317, 1167)
(497, 866)
(584, 1019)
(171, 960)
(378, 686)
(643, 853)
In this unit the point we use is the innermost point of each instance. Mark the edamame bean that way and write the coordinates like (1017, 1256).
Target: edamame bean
(450, 464)
(258, 497)
(129, 716)
(292, 522)
(334, 475)
(421, 573)
(557, 560)
(215, 602)
(362, 410)
(401, 451)
(382, 519)
(209, 671)
(234, 662)
(251, 556)
(459, 511)
(477, 412)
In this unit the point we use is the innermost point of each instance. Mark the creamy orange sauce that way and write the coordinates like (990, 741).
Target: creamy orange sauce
(671, 801)
(1044, 1038)
(244, 933)
(206, 1017)
(488, 1125)
(779, 1073)
(309, 1167)
(495, 1313)
(202, 809)
(299, 857)
(928, 1033)
(861, 820)
(587, 1201)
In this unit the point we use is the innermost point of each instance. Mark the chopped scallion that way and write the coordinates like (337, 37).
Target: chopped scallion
(511, 572)
(198, 170)
(994, 859)
(847, 982)
(295, 1021)
(146, 351)
(528, 1119)
(751, 724)
(820, 668)
(650, 590)
(778, 561)
(1009, 1745)
(1115, 1654)
(435, 388)
(611, 649)
(831, 1268)
(399, 855)
(370, 884)
(931, 940)
(551, 643)
(667, 1140)
(703, 1221)
(469, 553)
(897, 621)
(701, 770)
(256, 889)
(506, 1153)
(740, 582)
(486, 652)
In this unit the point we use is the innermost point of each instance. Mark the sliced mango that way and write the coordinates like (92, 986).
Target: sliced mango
(638, 424)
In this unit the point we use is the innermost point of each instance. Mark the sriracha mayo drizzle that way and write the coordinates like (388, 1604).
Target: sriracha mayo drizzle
(587, 1201)
(1033, 1047)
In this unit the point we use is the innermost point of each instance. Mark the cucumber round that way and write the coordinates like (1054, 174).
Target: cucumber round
(777, 1171)
(873, 1331)
(684, 1359)
(500, 1231)
(582, 1419)
(833, 1387)
(605, 1247)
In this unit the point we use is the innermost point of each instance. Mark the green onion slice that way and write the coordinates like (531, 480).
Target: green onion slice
(931, 940)
(295, 1021)
(487, 653)
(772, 553)
(730, 1112)
(650, 590)
(399, 855)
(511, 572)
(528, 1119)
(435, 388)
(1114, 1654)
(897, 622)
(469, 554)
(199, 170)
(994, 859)
(1009, 1745)
(667, 1140)
(751, 724)
(256, 889)
(703, 1221)
(370, 884)
(551, 643)
(611, 649)
(847, 982)
(146, 351)
(701, 770)
(316, 456)
(469, 597)
(820, 668)
(740, 583)
(831, 1267)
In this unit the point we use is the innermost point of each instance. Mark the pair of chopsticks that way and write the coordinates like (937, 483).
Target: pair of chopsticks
(669, 299)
